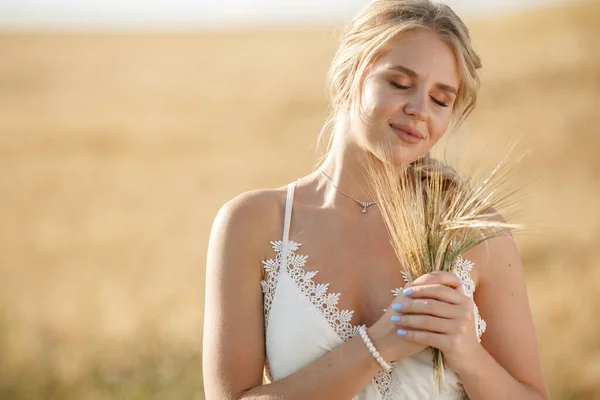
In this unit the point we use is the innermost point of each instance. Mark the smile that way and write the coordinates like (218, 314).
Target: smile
(407, 134)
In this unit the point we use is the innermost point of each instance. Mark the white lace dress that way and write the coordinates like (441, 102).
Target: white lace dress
(303, 323)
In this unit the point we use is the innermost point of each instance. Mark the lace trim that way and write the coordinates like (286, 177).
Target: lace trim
(271, 267)
(388, 387)
(315, 292)
(462, 270)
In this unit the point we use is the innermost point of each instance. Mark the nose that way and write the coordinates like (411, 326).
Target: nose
(417, 106)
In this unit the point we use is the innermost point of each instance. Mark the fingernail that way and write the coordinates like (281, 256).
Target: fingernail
(395, 318)
(397, 307)
(401, 332)
(460, 281)
(408, 292)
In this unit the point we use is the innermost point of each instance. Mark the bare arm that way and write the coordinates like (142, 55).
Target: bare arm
(510, 368)
(233, 343)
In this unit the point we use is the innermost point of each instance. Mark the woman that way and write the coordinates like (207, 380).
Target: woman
(404, 74)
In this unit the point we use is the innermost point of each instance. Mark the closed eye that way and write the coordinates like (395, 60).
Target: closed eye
(438, 102)
(398, 86)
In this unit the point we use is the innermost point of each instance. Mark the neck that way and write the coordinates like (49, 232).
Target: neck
(343, 166)
(343, 169)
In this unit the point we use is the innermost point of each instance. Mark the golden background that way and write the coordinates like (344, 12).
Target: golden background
(117, 149)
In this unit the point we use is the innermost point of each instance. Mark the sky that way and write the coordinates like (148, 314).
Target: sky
(32, 14)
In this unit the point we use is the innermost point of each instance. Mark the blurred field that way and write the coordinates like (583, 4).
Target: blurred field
(116, 151)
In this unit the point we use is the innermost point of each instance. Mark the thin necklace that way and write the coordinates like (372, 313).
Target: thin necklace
(364, 204)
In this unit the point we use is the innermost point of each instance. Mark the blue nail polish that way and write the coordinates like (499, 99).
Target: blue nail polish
(401, 332)
(397, 307)
(408, 292)
(395, 318)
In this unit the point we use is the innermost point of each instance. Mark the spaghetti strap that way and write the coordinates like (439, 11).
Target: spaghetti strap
(288, 211)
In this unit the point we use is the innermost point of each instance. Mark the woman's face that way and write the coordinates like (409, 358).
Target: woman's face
(408, 97)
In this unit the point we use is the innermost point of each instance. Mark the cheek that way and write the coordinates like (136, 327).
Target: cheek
(436, 132)
(439, 125)
(377, 102)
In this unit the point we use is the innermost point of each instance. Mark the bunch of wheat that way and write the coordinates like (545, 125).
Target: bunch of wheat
(433, 215)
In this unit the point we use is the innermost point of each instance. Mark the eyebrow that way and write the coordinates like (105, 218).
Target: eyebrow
(414, 75)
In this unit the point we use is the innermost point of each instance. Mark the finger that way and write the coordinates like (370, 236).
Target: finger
(438, 292)
(424, 322)
(432, 339)
(439, 278)
(428, 306)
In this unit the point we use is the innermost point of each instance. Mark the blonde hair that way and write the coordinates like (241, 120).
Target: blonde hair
(370, 32)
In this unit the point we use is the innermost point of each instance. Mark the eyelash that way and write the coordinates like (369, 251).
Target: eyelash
(439, 103)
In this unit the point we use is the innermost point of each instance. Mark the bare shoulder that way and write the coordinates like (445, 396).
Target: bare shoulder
(494, 254)
(250, 217)
(256, 203)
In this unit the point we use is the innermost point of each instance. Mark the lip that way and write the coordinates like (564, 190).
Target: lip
(407, 133)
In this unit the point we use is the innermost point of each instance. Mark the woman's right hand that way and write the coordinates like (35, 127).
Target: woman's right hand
(384, 332)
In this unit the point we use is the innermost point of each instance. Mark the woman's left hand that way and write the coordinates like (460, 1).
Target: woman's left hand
(439, 316)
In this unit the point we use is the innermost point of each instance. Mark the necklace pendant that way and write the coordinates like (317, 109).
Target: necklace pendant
(365, 205)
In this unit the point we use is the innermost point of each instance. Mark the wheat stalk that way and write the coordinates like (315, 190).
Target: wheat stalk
(433, 216)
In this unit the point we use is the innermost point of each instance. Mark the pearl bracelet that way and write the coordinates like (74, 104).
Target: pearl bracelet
(363, 334)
